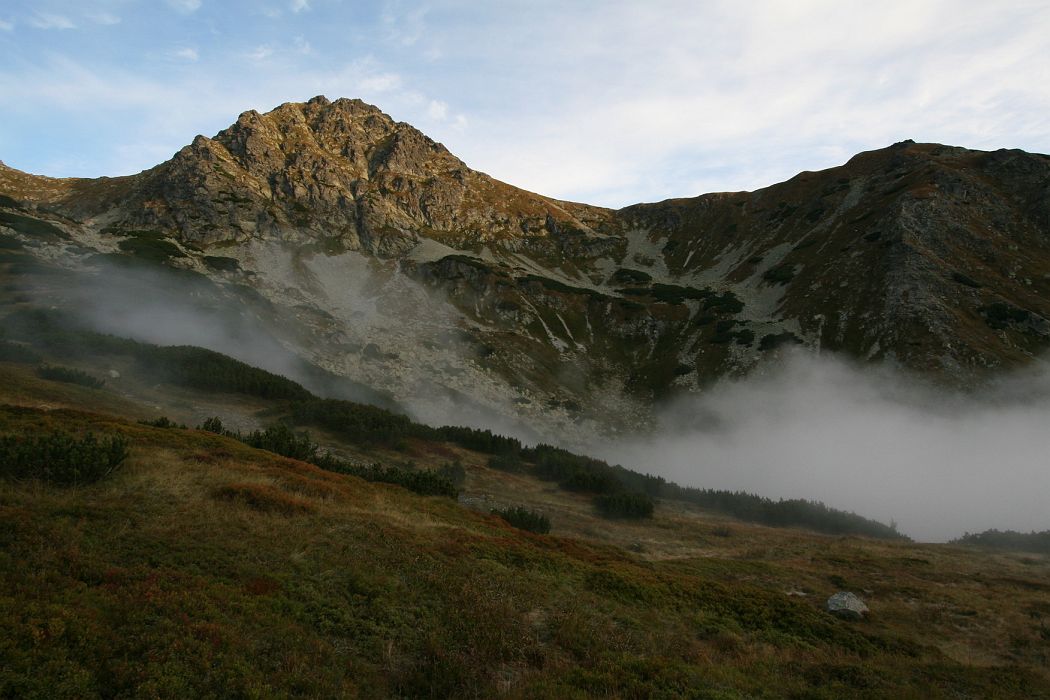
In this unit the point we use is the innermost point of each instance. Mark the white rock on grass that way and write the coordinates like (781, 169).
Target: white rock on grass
(847, 605)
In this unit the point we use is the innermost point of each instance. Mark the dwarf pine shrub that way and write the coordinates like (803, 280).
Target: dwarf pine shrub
(61, 459)
(69, 376)
(624, 505)
(525, 519)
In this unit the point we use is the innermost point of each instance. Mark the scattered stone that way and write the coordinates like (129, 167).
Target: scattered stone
(847, 606)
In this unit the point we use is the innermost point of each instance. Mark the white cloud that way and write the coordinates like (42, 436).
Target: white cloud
(622, 105)
(187, 54)
(104, 18)
(48, 20)
(260, 53)
(298, 6)
(380, 82)
(6, 26)
(404, 26)
(437, 110)
(185, 6)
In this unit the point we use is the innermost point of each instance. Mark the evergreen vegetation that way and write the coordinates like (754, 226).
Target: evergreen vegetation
(184, 365)
(355, 422)
(151, 249)
(511, 463)
(781, 274)
(624, 505)
(13, 352)
(29, 226)
(282, 440)
(454, 472)
(525, 519)
(69, 375)
(628, 276)
(197, 368)
(425, 483)
(999, 315)
(61, 459)
(475, 439)
(725, 303)
(222, 264)
(783, 513)
(163, 422)
(6, 201)
(772, 341)
(1008, 540)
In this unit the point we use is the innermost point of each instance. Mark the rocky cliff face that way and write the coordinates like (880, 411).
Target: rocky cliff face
(401, 267)
(338, 171)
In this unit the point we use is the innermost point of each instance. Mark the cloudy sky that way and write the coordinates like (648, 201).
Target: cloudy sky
(609, 102)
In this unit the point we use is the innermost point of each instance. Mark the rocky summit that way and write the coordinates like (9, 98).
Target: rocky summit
(367, 249)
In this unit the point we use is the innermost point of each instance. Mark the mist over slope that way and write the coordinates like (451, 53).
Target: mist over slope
(872, 440)
(325, 233)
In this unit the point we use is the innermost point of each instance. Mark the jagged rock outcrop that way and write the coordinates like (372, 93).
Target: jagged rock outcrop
(322, 170)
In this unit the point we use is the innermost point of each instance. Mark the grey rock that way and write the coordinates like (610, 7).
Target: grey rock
(847, 606)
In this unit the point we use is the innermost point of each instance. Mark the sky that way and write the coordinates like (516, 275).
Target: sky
(610, 102)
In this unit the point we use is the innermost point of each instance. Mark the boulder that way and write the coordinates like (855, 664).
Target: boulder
(847, 605)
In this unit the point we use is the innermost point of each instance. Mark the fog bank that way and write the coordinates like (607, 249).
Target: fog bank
(868, 440)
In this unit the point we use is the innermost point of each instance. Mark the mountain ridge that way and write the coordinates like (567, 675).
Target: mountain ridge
(406, 270)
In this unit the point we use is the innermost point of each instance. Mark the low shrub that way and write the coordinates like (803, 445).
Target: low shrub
(30, 226)
(781, 274)
(454, 472)
(149, 249)
(966, 280)
(162, 422)
(624, 505)
(1007, 540)
(282, 440)
(61, 459)
(525, 519)
(222, 264)
(69, 376)
(425, 483)
(772, 341)
(726, 303)
(197, 368)
(13, 352)
(507, 463)
(999, 315)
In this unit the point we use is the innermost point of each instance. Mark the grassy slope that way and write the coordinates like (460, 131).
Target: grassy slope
(207, 567)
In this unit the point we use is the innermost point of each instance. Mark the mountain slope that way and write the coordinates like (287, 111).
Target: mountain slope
(380, 256)
(202, 566)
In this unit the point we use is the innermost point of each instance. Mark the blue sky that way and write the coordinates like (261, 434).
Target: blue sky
(605, 102)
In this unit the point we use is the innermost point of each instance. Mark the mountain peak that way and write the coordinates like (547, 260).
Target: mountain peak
(341, 169)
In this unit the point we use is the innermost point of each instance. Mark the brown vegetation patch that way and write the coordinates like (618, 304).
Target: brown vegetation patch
(311, 488)
(262, 585)
(265, 499)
